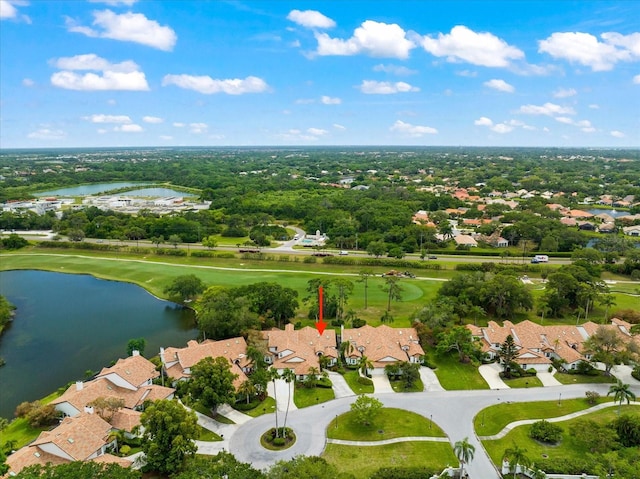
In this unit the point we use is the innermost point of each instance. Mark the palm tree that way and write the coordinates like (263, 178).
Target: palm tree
(364, 365)
(289, 376)
(464, 451)
(346, 348)
(247, 389)
(274, 376)
(517, 457)
(621, 392)
(607, 301)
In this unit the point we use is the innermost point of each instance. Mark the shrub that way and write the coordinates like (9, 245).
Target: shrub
(546, 432)
(124, 450)
(364, 381)
(403, 473)
(586, 369)
(278, 441)
(532, 372)
(592, 397)
(636, 372)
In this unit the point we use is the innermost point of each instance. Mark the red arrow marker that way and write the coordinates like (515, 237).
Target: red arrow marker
(320, 324)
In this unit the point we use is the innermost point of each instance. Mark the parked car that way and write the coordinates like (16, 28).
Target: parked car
(343, 253)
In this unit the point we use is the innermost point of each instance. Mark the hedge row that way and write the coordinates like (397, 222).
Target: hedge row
(390, 262)
(525, 268)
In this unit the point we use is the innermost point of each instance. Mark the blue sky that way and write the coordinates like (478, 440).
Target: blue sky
(181, 73)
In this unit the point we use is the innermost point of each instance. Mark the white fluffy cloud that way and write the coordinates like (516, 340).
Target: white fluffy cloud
(617, 134)
(310, 134)
(564, 92)
(338, 126)
(47, 134)
(100, 118)
(317, 131)
(152, 119)
(130, 128)
(371, 87)
(112, 76)
(463, 44)
(500, 85)
(502, 128)
(585, 49)
(394, 70)
(127, 27)
(549, 109)
(584, 125)
(28, 82)
(310, 19)
(8, 10)
(483, 121)
(198, 128)
(327, 100)
(208, 86)
(636, 79)
(371, 38)
(413, 131)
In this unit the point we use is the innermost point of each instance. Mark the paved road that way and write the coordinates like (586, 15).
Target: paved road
(453, 411)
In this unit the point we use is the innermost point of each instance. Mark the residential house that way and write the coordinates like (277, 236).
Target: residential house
(300, 349)
(465, 240)
(130, 379)
(631, 230)
(382, 345)
(538, 345)
(85, 437)
(177, 362)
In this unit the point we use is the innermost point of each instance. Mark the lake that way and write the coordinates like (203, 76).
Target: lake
(84, 190)
(66, 324)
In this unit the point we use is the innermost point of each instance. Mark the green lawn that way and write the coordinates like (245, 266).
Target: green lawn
(495, 418)
(568, 448)
(206, 435)
(454, 375)
(364, 461)
(526, 382)
(19, 429)
(388, 423)
(565, 378)
(305, 397)
(265, 407)
(398, 386)
(352, 380)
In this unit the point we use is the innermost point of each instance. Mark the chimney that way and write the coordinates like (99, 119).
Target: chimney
(162, 355)
(135, 352)
(79, 385)
(88, 409)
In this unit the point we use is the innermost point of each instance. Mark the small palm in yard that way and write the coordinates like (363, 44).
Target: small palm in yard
(365, 365)
(516, 457)
(464, 451)
(621, 392)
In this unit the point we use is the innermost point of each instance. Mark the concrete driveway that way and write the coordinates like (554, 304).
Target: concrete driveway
(381, 384)
(430, 380)
(623, 373)
(547, 379)
(491, 374)
(281, 394)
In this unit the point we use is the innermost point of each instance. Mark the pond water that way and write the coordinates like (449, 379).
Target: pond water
(84, 190)
(612, 213)
(156, 192)
(67, 324)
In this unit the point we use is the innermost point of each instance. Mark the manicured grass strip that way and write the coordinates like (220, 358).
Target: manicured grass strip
(398, 386)
(304, 397)
(265, 407)
(352, 380)
(388, 423)
(362, 462)
(495, 418)
(565, 378)
(206, 435)
(222, 419)
(454, 375)
(526, 382)
(567, 449)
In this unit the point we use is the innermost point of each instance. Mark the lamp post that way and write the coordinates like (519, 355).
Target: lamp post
(559, 398)
(336, 421)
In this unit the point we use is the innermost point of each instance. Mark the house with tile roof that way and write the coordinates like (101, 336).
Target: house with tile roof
(129, 379)
(177, 362)
(85, 437)
(300, 349)
(538, 345)
(382, 345)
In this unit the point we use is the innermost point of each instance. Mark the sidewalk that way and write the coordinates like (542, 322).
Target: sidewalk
(230, 413)
(282, 389)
